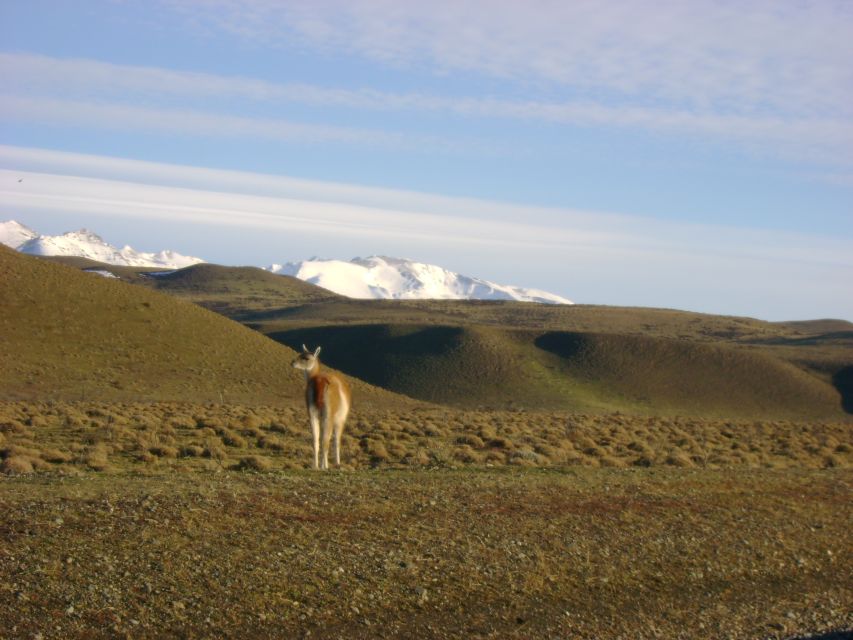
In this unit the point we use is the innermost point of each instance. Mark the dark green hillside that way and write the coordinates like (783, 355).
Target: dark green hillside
(272, 302)
(491, 367)
(816, 327)
(65, 334)
(488, 353)
(462, 366)
(236, 292)
(684, 377)
(664, 323)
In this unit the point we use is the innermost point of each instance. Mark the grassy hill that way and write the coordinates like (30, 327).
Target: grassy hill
(236, 292)
(510, 354)
(478, 366)
(67, 334)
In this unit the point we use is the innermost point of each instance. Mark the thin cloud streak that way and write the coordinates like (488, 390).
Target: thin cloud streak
(587, 256)
(193, 122)
(756, 56)
(76, 194)
(217, 196)
(36, 81)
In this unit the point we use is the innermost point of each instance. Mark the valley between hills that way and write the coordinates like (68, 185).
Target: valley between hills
(510, 469)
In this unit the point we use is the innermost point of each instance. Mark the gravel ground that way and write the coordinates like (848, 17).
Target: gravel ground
(583, 553)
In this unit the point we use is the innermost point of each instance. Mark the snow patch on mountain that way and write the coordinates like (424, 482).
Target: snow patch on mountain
(85, 244)
(381, 277)
(14, 234)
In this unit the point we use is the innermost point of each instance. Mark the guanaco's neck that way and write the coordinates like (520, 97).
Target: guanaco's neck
(314, 371)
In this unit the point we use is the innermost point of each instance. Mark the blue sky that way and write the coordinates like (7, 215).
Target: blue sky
(697, 155)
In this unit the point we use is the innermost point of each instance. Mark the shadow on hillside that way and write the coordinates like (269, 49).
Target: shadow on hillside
(375, 353)
(561, 343)
(832, 635)
(843, 382)
(835, 337)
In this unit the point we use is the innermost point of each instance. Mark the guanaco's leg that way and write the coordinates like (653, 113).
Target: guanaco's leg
(314, 419)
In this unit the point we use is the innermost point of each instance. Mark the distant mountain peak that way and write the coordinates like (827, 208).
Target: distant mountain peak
(386, 277)
(88, 244)
(14, 234)
(371, 277)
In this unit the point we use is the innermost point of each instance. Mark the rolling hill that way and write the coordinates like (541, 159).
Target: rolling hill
(69, 335)
(503, 354)
(489, 367)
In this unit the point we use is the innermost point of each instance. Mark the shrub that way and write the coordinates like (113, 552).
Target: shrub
(56, 456)
(164, 451)
(271, 442)
(467, 455)
(255, 463)
(495, 456)
(97, 457)
(397, 450)
(417, 458)
(251, 421)
(433, 431)
(182, 422)
(16, 465)
(214, 450)
(470, 440)
(280, 427)
(13, 426)
(679, 459)
(501, 443)
(232, 439)
(377, 451)
(20, 450)
(37, 421)
(192, 451)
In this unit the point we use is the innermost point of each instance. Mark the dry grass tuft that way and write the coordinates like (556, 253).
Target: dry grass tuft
(118, 436)
(255, 463)
(16, 465)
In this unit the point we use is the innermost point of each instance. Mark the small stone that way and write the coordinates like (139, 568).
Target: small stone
(70, 610)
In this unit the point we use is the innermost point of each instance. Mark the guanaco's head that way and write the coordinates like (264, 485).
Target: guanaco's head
(307, 360)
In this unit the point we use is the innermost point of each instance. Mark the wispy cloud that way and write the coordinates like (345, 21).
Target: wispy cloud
(130, 187)
(198, 122)
(93, 93)
(763, 55)
(591, 256)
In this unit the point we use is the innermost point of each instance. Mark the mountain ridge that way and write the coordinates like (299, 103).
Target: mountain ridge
(388, 278)
(374, 277)
(87, 244)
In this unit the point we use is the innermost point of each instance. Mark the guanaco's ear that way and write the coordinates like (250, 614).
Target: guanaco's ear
(305, 349)
(317, 352)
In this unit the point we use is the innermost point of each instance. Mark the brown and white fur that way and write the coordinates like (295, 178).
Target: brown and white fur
(328, 399)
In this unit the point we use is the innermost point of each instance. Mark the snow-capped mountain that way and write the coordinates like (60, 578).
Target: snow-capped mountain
(383, 277)
(376, 277)
(14, 234)
(86, 244)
